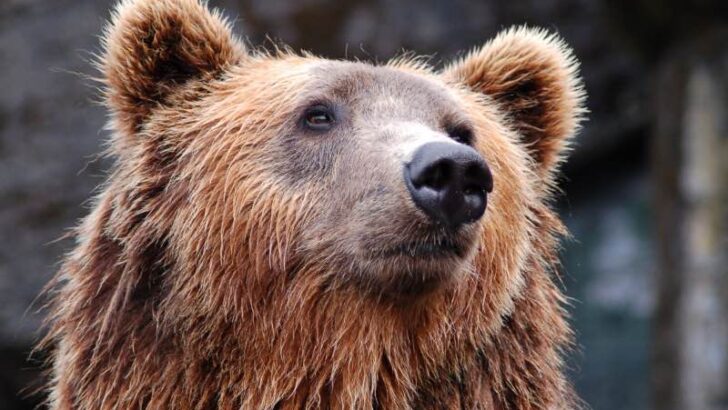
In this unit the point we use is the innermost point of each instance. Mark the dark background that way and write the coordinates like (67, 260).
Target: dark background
(644, 192)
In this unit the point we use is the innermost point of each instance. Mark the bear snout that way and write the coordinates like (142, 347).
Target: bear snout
(449, 182)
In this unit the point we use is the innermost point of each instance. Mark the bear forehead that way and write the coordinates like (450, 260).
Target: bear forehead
(406, 91)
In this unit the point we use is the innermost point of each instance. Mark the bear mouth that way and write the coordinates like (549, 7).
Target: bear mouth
(406, 264)
(410, 270)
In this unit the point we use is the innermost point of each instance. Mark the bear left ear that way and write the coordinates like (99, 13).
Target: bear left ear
(153, 47)
(532, 76)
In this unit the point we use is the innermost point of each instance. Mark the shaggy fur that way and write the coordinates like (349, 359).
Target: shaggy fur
(209, 273)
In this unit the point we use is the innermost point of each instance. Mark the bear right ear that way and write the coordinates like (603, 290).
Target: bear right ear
(533, 77)
(152, 47)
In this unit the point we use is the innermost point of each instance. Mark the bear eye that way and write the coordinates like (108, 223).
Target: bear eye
(318, 118)
(461, 133)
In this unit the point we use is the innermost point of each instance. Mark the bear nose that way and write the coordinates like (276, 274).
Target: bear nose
(449, 182)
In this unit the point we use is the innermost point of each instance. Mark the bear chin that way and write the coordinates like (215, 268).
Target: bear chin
(416, 285)
(411, 286)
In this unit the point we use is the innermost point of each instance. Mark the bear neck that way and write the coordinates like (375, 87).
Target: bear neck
(125, 342)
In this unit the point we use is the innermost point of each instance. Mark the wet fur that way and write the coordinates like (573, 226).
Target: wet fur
(195, 281)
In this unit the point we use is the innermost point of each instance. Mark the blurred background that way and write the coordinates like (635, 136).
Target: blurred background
(645, 193)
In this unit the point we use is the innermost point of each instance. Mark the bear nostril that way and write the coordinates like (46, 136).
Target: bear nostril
(473, 190)
(436, 175)
(478, 178)
(449, 182)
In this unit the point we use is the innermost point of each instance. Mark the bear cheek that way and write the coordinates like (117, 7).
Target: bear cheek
(502, 253)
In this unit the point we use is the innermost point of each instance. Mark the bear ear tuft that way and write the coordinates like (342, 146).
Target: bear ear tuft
(151, 47)
(533, 77)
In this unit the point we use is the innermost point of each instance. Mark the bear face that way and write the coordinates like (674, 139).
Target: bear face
(363, 227)
(291, 229)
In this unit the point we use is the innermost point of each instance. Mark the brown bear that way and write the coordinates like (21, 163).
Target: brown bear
(282, 231)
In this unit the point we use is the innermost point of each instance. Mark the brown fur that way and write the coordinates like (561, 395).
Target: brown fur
(206, 277)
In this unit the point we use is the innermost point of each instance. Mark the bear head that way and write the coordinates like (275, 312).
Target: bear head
(300, 212)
